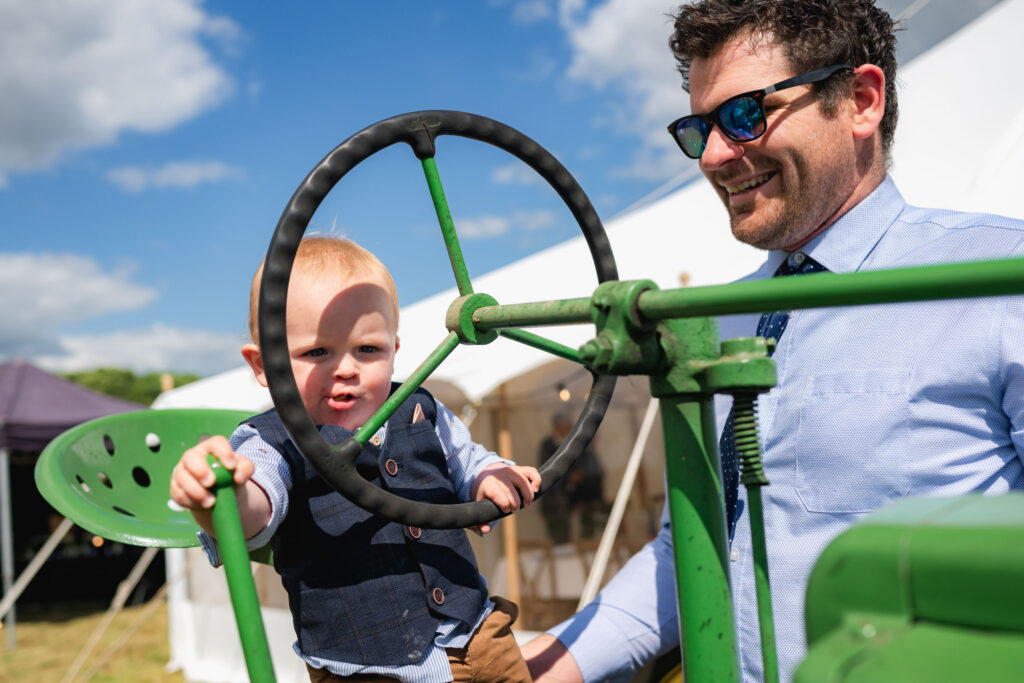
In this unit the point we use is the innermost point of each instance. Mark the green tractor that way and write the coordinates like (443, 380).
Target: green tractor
(925, 589)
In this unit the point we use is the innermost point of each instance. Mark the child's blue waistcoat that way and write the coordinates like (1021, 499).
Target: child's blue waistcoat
(362, 589)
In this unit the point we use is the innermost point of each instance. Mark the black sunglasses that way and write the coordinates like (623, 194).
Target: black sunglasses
(741, 117)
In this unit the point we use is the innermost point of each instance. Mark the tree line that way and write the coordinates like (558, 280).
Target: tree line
(125, 384)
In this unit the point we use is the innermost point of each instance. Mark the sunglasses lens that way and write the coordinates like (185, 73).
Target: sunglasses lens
(692, 133)
(742, 119)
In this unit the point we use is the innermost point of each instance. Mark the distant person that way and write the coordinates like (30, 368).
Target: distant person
(580, 491)
(370, 599)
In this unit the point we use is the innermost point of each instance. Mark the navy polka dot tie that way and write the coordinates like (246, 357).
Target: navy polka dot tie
(771, 326)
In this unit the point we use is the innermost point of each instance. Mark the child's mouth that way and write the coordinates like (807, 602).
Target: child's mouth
(341, 401)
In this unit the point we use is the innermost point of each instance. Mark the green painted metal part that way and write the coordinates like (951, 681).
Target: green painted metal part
(244, 599)
(459, 318)
(821, 290)
(398, 396)
(112, 475)
(626, 342)
(700, 549)
(543, 344)
(923, 590)
(444, 217)
(696, 503)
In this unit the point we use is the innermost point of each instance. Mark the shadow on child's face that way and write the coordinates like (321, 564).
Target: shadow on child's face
(342, 343)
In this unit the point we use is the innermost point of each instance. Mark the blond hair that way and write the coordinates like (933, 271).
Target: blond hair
(318, 254)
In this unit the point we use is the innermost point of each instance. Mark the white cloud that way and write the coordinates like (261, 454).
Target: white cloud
(622, 45)
(532, 11)
(495, 226)
(79, 72)
(39, 293)
(516, 173)
(171, 174)
(158, 348)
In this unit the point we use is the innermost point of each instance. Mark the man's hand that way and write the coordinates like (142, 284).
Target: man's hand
(508, 487)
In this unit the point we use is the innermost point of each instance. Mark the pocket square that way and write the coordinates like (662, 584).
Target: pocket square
(417, 414)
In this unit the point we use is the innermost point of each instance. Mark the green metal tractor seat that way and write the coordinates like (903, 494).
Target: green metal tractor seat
(112, 475)
(922, 590)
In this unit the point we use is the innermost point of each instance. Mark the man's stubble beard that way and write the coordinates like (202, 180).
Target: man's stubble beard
(795, 213)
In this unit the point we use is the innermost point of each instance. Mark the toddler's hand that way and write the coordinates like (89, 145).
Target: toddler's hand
(508, 487)
(192, 476)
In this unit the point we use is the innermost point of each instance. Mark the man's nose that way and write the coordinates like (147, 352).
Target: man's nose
(719, 149)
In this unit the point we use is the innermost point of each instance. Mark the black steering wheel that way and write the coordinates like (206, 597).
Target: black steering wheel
(336, 463)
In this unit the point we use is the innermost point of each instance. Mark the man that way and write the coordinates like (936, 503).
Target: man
(873, 403)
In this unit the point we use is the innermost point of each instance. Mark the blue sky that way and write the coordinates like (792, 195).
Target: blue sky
(148, 147)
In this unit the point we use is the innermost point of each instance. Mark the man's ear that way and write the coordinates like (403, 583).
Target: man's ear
(252, 356)
(868, 100)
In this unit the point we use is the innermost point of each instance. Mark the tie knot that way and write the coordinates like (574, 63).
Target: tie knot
(799, 263)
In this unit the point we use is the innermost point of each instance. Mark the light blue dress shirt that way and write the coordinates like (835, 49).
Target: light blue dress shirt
(465, 459)
(873, 403)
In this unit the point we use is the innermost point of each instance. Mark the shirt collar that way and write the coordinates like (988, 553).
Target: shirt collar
(844, 245)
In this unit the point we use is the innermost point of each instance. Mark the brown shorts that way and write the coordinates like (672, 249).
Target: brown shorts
(491, 656)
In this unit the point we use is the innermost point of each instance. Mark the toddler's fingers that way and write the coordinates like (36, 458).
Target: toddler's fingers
(526, 491)
(218, 446)
(193, 464)
(189, 492)
(244, 469)
(514, 500)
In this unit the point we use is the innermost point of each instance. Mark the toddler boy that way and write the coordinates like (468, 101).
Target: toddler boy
(370, 599)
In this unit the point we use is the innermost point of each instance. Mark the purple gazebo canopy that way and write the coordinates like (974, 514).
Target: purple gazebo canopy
(36, 406)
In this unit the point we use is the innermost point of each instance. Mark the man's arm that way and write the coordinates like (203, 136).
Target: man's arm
(550, 662)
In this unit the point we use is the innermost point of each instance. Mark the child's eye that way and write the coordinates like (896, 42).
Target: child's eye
(316, 352)
(368, 348)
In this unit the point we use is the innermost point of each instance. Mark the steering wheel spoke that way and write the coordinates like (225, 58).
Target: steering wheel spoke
(444, 218)
(543, 343)
(405, 390)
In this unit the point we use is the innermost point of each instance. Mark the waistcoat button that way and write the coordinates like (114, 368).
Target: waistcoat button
(415, 532)
(391, 467)
(438, 595)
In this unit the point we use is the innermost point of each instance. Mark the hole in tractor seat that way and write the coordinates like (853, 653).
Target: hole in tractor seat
(105, 479)
(123, 511)
(140, 476)
(81, 482)
(108, 443)
(153, 442)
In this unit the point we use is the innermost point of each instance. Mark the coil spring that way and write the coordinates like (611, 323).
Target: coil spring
(748, 446)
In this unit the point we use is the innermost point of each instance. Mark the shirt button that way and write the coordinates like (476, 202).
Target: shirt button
(415, 532)
(798, 258)
(375, 440)
(438, 596)
(391, 467)
(734, 555)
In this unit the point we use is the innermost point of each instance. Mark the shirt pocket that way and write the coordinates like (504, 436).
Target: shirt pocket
(851, 445)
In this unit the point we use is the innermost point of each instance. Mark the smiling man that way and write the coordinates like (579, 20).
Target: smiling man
(793, 113)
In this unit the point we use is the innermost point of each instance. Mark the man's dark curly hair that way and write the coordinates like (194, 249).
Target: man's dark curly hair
(814, 33)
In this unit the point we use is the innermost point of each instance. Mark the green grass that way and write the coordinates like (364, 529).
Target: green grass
(134, 647)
